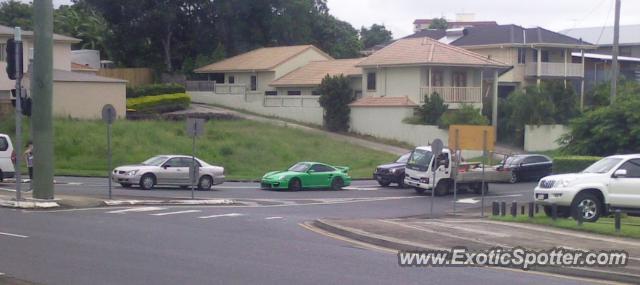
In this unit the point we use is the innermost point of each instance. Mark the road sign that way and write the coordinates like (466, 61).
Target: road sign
(195, 127)
(436, 147)
(108, 114)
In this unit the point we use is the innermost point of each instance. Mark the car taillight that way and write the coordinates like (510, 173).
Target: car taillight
(13, 156)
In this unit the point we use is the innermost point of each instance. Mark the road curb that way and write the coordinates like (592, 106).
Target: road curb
(391, 243)
(208, 202)
(28, 204)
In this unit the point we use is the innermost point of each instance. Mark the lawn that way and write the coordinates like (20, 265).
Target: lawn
(246, 149)
(630, 226)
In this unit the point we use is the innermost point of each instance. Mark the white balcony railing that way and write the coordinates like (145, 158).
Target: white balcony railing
(212, 86)
(453, 94)
(555, 69)
(291, 101)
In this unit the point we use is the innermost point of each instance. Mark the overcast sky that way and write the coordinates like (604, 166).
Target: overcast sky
(398, 15)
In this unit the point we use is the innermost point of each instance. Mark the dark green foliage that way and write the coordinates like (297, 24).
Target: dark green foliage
(84, 23)
(375, 35)
(16, 14)
(159, 103)
(572, 164)
(432, 109)
(154, 89)
(466, 115)
(600, 95)
(336, 96)
(606, 130)
(439, 23)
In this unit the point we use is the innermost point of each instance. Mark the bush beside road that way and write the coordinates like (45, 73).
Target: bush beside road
(246, 149)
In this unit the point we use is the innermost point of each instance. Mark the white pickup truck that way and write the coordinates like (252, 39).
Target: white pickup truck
(468, 176)
(611, 183)
(7, 157)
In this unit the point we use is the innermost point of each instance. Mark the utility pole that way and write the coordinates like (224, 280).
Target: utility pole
(19, 72)
(614, 54)
(42, 92)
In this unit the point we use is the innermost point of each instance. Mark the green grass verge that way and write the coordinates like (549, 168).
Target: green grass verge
(246, 149)
(630, 226)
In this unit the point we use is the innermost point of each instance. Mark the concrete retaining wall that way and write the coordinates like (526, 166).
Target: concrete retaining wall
(544, 137)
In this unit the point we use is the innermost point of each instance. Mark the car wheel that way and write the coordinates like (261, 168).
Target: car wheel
(147, 181)
(591, 207)
(184, 186)
(384, 183)
(125, 185)
(295, 184)
(514, 178)
(337, 183)
(442, 188)
(419, 190)
(401, 183)
(205, 183)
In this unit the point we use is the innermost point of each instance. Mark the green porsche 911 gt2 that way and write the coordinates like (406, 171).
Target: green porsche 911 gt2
(307, 175)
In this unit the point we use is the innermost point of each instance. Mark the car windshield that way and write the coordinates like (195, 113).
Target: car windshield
(299, 167)
(419, 160)
(514, 160)
(155, 161)
(404, 158)
(603, 165)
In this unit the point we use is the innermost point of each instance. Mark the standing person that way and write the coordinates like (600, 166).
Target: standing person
(28, 156)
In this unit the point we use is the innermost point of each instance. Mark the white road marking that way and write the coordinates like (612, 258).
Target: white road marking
(468, 201)
(137, 209)
(360, 188)
(7, 189)
(13, 235)
(273, 218)
(175, 213)
(222, 215)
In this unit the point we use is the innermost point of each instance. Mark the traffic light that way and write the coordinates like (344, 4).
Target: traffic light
(14, 71)
(25, 102)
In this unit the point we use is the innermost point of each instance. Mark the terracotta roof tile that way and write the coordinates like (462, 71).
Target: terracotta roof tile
(259, 59)
(312, 73)
(369, 101)
(427, 51)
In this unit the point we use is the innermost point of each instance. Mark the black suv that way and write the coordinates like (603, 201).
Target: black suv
(393, 172)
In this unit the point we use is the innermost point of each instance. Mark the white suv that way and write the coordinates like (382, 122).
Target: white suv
(612, 182)
(7, 157)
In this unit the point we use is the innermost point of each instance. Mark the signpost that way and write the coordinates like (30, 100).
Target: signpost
(195, 128)
(108, 116)
(454, 172)
(436, 150)
(484, 161)
(17, 75)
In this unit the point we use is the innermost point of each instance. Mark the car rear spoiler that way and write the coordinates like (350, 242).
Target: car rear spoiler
(343, 169)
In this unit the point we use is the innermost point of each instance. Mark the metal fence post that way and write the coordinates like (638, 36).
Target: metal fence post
(617, 220)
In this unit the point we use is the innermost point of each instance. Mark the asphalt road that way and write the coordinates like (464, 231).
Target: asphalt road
(260, 242)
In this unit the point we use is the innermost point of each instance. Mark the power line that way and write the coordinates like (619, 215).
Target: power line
(604, 24)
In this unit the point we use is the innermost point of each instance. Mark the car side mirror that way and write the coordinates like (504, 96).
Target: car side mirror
(166, 166)
(620, 173)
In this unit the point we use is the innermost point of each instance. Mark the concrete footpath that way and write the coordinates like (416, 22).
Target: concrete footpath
(418, 234)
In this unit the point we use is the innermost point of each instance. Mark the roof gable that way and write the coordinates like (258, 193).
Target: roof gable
(262, 59)
(513, 34)
(426, 51)
(8, 31)
(312, 73)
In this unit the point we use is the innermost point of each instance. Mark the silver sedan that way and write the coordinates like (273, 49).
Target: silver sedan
(168, 170)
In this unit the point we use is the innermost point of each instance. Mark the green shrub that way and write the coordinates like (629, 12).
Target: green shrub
(159, 103)
(154, 90)
(432, 109)
(571, 164)
(466, 115)
(336, 95)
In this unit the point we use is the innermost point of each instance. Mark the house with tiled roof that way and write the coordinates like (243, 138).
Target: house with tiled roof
(306, 79)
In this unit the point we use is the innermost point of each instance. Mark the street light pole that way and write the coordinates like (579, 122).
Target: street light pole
(42, 92)
(614, 54)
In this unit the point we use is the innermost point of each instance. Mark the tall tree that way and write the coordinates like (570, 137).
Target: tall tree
(374, 35)
(84, 23)
(439, 24)
(16, 14)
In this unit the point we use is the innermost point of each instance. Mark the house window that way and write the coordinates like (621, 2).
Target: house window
(271, 93)
(545, 56)
(294, 93)
(357, 94)
(522, 55)
(254, 83)
(232, 79)
(460, 78)
(315, 92)
(436, 78)
(371, 81)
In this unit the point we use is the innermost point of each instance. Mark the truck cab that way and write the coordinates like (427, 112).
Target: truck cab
(419, 172)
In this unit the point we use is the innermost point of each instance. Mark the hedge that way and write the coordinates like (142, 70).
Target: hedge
(154, 90)
(159, 103)
(571, 164)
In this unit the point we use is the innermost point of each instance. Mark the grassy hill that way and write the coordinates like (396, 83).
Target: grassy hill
(246, 149)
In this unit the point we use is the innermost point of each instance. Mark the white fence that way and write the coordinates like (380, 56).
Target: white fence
(544, 137)
(453, 94)
(555, 69)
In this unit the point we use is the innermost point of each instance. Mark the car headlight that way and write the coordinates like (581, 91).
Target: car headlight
(131, 173)
(564, 182)
(393, 171)
(281, 177)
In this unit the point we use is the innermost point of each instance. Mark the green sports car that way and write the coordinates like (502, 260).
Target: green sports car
(307, 175)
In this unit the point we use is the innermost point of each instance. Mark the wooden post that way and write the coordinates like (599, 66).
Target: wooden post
(566, 58)
(582, 81)
(539, 66)
(494, 104)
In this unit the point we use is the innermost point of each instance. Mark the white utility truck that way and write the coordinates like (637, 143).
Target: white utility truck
(419, 173)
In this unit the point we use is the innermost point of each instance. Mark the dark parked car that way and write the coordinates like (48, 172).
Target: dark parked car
(528, 167)
(393, 172)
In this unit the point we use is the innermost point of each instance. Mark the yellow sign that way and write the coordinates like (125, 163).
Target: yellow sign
(471, 137)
